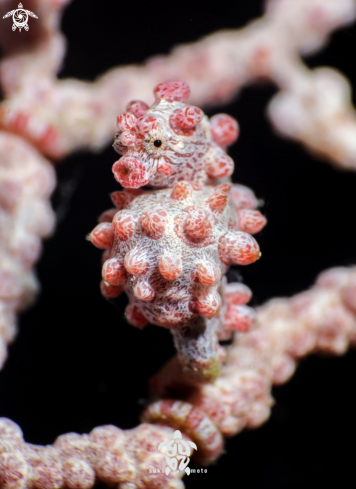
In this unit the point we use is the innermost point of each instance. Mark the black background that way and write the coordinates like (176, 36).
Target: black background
(76, 364)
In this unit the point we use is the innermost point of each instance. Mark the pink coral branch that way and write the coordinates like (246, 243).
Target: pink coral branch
(58, 117)
(26, 182)
(322, 319)
(313, 106)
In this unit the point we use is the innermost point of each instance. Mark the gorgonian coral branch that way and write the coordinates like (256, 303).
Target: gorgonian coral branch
(322, 319)
(26, 182)
(313, 106)
(319, 320)
(62, 116)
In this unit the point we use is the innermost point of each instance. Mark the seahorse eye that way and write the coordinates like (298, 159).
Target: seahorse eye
(158, 143)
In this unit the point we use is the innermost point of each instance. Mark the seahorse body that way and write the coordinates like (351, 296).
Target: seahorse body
(169, 248)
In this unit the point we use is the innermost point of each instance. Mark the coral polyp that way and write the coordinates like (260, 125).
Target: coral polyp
(170, 248)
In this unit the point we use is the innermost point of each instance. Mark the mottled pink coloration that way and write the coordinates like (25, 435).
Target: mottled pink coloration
(184, 121)
(207, 302)
(237, 293)
(124, 223)
(251, 221)
(193, 422)
(137, 108)
(170, 266)
(122, 199)
(19, 122)
(198, 223)
(171, 247)
(316, 320)
(239, 398)
(45, 110)
(102, 235)
(154, 222)
(218, 200)
(143, 291)
(238, 247)
(243, 197)
(26, 182)
(224, 129)
(182, 191)
(239, 318)
(172, 91)
(172, 141)
(107, 455)
(113, 272)
(108, 215)
(136, 261)
(110, 291)
(130, 172)
(134, 316)
(320, 319)
(50, 122)
(207, 272)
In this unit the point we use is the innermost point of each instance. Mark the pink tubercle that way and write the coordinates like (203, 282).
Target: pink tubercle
(198, 223)
(170, 266)
(136, 261)
(126, 121)
(124, 223)
(238, 247)
(102, 235)
(134, 316)
(130, 172)
(207, 273)
(113, 272)
(251, 221)
(110, 291)
(239, 318)
(172, 91)
(207, 302)
(154, 222)
(137, 108)
(224, 129)
(182, 191)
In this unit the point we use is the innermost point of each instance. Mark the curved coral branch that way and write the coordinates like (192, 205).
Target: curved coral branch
(26, 182)
(107, 454)
(322, 319)
(313, 106)
(62, 116)
(30, 64)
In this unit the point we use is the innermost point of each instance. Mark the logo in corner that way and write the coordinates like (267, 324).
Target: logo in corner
(178, 453)
(20, 17)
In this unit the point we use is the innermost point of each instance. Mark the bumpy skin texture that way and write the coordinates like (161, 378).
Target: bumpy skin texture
(26, 182)
(322, 319)
(168, 249)
(61, 116)
(64, 115)
(172, 141)
(108, 455)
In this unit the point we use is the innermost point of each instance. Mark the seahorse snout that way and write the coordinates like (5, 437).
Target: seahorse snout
(130, 172)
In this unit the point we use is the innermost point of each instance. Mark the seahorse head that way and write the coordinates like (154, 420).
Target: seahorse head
(171, 141)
